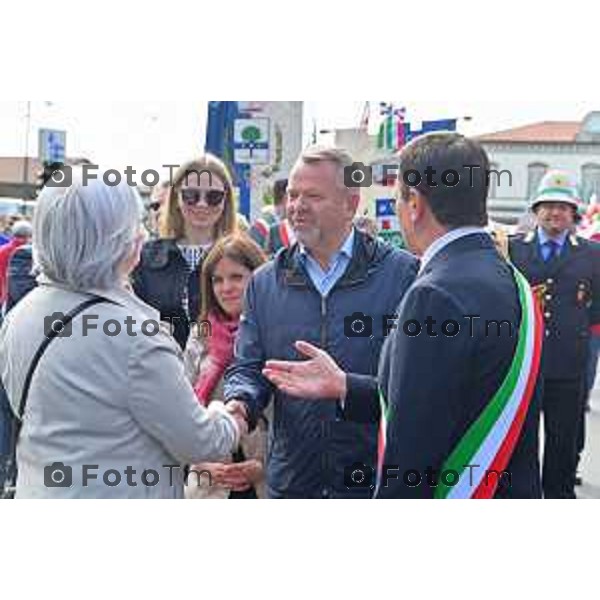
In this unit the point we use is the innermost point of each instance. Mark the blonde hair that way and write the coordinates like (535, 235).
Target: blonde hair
(172, 222)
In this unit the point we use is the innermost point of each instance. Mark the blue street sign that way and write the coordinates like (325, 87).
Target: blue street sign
(384, 207)
(52, 146)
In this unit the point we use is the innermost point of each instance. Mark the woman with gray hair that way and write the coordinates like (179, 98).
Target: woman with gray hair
(108, 411)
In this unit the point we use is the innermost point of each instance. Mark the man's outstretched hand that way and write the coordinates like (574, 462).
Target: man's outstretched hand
(316, 378)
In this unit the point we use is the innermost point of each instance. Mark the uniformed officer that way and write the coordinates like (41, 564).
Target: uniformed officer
(564, 271)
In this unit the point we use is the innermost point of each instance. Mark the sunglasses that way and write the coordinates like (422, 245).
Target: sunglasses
(191, 197)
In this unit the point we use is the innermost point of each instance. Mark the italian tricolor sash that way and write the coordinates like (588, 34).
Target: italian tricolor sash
(381, 440)
(488, 444)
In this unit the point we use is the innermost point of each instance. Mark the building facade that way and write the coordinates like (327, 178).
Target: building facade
(520, 157)
(18, 177)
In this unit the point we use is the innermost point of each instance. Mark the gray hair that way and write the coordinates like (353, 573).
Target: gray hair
(340, 157)
(21, 229)
(81, 234)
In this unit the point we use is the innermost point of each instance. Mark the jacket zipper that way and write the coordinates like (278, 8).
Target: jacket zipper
(349, 284)
(324, 322)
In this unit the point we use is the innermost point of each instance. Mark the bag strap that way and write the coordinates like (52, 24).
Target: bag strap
(52, 335)
(11, 474)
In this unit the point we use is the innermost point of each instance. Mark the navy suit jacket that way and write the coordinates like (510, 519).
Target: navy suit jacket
(437, 386)
(569, 289)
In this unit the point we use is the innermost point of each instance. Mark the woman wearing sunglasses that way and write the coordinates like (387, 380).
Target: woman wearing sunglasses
(225, 275)
(199, 210)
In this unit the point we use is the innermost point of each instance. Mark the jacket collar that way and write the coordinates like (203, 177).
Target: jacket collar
(476, 240)
(365, 253)
(17, 242)
(157, 254)
(447, 239)
(346, 249)
(570, 248)
(532, 236)
(544, 238)
(121, 296)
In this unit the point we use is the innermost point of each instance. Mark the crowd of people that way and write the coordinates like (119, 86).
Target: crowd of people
(15, 263)
(172, 351)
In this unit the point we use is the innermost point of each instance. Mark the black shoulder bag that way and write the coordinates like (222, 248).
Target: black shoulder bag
(8, 467)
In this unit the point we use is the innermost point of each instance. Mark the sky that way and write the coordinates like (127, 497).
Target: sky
(144, 134)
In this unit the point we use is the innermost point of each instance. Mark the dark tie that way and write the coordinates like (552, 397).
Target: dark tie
(553, 248)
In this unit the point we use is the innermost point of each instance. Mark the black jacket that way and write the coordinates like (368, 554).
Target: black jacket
(569, 290)
(20, 278)
(311, 446)
(436, 387)
(162, 280)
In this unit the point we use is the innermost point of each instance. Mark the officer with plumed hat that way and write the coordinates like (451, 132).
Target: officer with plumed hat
(564, 271)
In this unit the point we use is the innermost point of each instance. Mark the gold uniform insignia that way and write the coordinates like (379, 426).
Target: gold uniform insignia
(501, 240)
(540, 291)
(583, 293)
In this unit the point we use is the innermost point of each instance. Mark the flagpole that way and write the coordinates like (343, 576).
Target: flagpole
(27, 132)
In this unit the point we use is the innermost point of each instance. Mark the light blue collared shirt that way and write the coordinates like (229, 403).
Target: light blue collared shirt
(325, 280)
(445, 240)
(543, 238)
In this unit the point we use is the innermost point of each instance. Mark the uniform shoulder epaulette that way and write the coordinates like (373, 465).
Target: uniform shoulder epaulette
(521, 237)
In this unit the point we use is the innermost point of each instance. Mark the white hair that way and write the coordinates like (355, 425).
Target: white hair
(21, 229)
(81, 234)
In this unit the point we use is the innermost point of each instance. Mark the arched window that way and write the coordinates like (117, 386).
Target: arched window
(535, 172)
(590, 181)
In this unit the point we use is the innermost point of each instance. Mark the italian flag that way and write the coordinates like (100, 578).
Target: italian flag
(490, 441)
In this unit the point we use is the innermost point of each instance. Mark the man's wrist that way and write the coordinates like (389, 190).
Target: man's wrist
(238, 406)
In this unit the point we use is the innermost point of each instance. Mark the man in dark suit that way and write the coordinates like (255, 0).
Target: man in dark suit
(448, 359)
(564, 271)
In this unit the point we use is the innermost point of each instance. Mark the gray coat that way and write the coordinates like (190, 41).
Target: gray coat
(118, 403)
